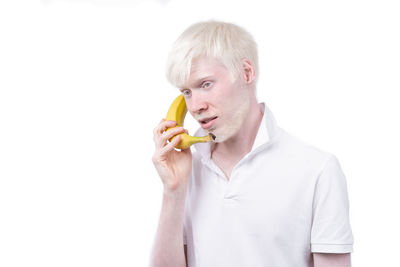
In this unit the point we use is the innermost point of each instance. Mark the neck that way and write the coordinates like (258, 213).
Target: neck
(241, 143)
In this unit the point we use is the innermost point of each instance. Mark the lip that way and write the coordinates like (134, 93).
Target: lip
(209, 124)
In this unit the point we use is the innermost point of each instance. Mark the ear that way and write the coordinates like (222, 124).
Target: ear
(249, 73)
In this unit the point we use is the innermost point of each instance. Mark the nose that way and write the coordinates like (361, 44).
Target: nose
(196, 104)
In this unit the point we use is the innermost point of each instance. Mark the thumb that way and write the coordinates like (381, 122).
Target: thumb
(186, 151)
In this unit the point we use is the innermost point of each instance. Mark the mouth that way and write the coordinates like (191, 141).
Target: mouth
(207, 123)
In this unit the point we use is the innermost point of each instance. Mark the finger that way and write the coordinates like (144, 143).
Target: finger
(167, 135)
(161, 140)
(163, 125)
(170, 146)
(160, 128)
(158, 125)
(171, 133)
(186, 150)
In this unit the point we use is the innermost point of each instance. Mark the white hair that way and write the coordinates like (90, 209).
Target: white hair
(226, 42)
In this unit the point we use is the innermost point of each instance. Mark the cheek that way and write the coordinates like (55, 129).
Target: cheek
(223, 94)
(226, 106)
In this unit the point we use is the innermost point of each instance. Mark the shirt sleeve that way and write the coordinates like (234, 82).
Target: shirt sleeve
(331, 231)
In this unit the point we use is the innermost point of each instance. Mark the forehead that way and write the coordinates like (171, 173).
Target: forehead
(204, 63)
(205, 67)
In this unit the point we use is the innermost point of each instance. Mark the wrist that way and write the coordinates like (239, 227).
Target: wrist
(175, 191)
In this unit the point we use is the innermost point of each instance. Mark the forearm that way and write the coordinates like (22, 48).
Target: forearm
(332, 260)
(168, 247)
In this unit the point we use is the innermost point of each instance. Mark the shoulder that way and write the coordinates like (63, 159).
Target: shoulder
(303, 152)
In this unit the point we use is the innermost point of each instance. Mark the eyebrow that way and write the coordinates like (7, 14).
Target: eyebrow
(199, 81)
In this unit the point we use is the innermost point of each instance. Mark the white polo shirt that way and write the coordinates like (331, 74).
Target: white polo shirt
(285, 199)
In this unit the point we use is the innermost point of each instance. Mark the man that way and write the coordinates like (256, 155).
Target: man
(257, 196)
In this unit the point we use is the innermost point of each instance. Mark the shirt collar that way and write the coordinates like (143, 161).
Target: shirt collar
(266, 134)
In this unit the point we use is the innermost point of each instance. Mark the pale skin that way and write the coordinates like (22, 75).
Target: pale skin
(222, 97)
(332, 259)
(210, 91)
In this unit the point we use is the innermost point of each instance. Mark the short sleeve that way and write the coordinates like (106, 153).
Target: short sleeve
(331, 231)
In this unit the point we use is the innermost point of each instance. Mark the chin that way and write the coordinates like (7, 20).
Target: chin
(230, 128)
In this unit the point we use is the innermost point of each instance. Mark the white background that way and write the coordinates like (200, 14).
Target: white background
(82, 86)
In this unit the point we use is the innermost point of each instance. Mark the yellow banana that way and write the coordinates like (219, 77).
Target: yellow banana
(177, 112)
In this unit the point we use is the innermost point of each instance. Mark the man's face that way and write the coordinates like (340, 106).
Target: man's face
(217, 102)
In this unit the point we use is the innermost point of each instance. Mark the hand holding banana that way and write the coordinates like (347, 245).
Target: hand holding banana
(177, 112)
(173, 166)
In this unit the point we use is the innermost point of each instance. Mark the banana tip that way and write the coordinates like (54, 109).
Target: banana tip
(213, 136)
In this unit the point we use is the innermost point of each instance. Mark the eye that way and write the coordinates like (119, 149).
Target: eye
(206, 84)
(186, 92)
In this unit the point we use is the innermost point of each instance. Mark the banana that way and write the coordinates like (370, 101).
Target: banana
(177, 112)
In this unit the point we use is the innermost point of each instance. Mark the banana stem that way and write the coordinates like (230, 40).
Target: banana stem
(207, 138)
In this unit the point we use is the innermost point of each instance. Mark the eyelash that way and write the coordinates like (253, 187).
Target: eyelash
(183, 92)
(202, 85)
